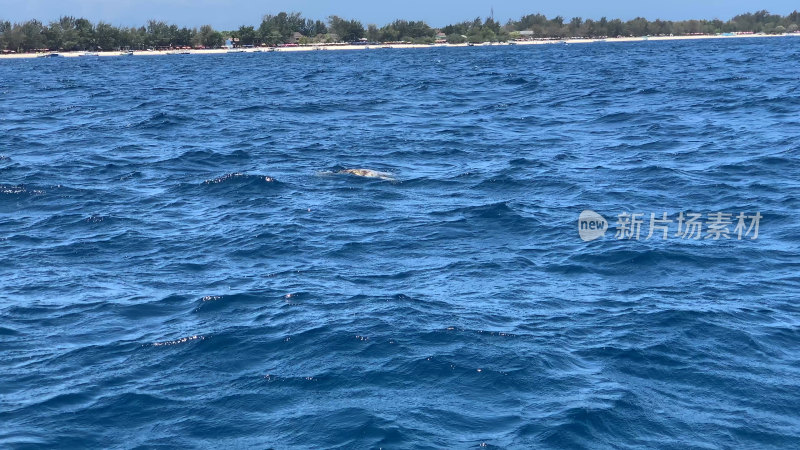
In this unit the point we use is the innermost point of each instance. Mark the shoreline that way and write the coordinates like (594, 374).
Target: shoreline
(325, 47)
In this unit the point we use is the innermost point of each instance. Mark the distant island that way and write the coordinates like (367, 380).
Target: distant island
(70, 34)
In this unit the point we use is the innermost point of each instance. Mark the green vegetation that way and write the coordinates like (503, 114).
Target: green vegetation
(280, 29)
(346, 30)
(479, 31)
(69, 33)
(402, 31)
(759, 22)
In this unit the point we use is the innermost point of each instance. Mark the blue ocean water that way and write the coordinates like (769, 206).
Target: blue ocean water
(183, 265)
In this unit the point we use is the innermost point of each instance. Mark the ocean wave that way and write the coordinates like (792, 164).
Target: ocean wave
(162, 121)
(8, 189)
(239, 178)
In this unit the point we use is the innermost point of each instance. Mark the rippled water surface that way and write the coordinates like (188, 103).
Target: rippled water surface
(181, 263)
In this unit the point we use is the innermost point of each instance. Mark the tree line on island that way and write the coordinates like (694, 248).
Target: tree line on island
(71, 34)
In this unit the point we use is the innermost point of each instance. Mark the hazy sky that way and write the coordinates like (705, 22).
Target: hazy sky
(230, 14)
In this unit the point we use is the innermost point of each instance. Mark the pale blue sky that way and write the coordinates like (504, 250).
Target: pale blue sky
(230, 14)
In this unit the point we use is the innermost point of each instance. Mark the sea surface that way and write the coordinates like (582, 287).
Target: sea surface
(183, 264)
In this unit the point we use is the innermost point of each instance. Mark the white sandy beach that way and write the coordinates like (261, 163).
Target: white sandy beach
(326, 47)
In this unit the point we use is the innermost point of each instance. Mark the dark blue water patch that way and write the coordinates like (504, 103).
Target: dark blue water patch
(254, 109)
(184, 265)
(8, 332)
(162, 120)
